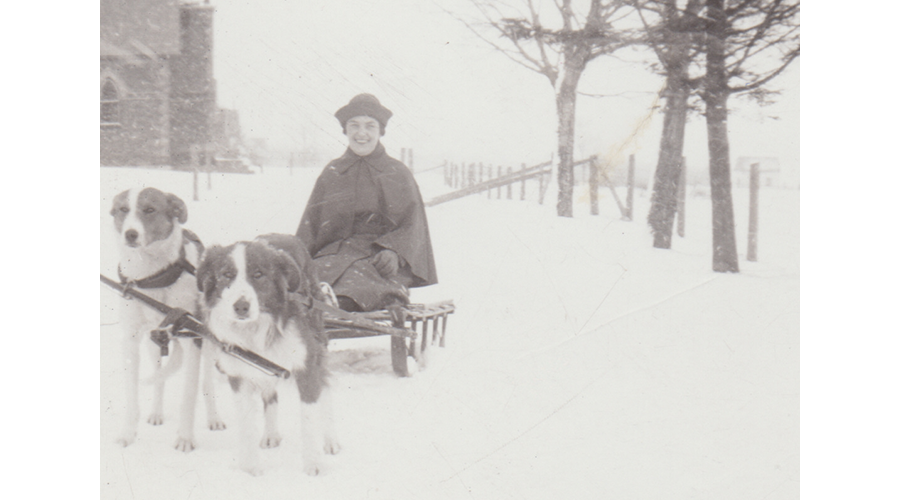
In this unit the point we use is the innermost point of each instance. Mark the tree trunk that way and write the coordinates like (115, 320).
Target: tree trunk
(716, 97)
(668, 168)
(724, 243)
(565, 109)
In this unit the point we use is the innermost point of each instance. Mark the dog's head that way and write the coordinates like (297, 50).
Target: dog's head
(245, 281)
(144, 216)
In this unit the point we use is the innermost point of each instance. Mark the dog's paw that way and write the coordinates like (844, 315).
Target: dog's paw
(216, 425)
(331, 446)
(126, 439)
(155, 419)
(311, 468)
(270, 441)
(253, 470)
(184, 444)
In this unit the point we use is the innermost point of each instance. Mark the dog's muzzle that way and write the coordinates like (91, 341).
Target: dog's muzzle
(131, 237)
(242, 308)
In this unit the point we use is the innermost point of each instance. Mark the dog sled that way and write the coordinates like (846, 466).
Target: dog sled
(401, 323)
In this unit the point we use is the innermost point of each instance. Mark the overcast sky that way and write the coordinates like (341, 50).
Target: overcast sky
(288, 66)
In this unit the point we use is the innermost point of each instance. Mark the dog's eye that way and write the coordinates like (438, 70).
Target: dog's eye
(149, 210)
(258, 274)
(229, 274)
(124, 210)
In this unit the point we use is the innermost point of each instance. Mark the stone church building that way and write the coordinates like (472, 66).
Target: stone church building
(157, 91)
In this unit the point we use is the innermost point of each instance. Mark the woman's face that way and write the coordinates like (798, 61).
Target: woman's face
(363, 133)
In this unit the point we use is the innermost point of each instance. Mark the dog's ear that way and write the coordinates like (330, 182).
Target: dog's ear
(116, 202)
(177, 208)
(206, 275)
(291, 272)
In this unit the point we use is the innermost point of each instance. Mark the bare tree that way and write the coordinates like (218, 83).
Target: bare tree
(741, 46)
(561, 54)
(674, 39)
(747, 44)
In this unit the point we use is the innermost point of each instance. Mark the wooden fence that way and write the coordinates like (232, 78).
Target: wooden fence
(476, 178)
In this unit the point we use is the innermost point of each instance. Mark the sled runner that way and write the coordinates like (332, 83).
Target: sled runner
(338, 325)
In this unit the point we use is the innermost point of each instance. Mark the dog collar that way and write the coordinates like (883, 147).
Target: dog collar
(164, 278)
(170, 274)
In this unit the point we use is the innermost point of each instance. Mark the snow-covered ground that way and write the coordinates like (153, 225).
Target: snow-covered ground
(581, 362)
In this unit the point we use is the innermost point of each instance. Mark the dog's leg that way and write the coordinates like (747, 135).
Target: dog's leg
(207, 360)
(310, 430)
(310, 437)
(246, 402)
(131, 361)
(271, 438)
(156, 416)
(327, 417)
(185, 440)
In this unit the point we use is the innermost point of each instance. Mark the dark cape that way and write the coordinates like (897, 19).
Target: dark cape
(359, 206)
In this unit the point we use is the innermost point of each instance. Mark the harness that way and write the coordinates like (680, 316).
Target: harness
(170, 274)
(164, 278)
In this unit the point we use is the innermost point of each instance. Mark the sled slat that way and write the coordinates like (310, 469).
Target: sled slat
(346, 325)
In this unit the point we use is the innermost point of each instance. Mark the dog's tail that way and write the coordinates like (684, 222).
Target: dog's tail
(169, 368)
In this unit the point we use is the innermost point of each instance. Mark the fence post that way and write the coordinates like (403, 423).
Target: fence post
(509, 186)
(541, 188)
(471, 174)
(754, 212)
(490, 176)
(412, 166)
(545, 183)
(629, 199)
(480, 173)
(523, 184)
(210, 163)
(682, 194)
(195, 160)
(594, 185)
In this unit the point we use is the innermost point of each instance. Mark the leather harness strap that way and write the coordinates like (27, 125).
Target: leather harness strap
(172, 272)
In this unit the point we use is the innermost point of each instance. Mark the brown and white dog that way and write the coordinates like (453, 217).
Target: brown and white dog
(259, 295)
(158, 257)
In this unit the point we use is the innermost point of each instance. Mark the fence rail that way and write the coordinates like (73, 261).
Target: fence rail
(464, 178)
(497, 182)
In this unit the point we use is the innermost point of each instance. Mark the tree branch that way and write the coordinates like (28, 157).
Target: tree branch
(762, 81)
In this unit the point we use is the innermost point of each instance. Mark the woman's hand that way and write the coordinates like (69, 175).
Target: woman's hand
(387, 262)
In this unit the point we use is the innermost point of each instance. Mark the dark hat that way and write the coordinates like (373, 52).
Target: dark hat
(364, 105)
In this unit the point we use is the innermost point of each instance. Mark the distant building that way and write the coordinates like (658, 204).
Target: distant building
(157, 91)
(769, 170)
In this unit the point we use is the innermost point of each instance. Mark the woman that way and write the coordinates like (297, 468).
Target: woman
(364, 223)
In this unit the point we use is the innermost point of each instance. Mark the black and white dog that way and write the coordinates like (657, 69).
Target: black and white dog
(158, 257)
(259, 295)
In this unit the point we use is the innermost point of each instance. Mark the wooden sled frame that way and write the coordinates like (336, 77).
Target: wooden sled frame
(402, 326)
